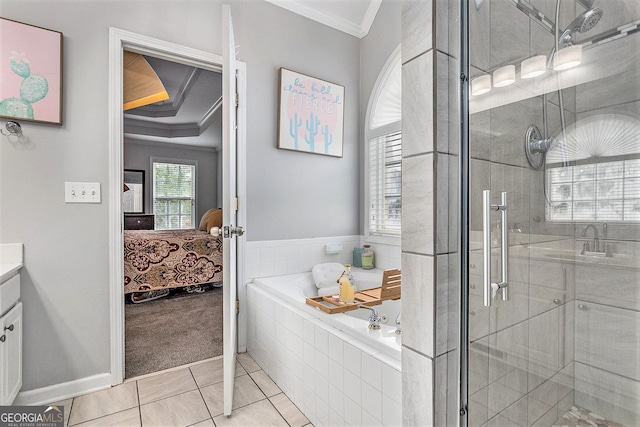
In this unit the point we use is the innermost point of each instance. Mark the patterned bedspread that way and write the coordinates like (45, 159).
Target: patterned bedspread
(164, 259)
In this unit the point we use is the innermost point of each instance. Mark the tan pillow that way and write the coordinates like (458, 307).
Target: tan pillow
(211, 218)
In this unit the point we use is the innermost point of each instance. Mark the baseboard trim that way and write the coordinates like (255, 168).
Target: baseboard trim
(58, 392)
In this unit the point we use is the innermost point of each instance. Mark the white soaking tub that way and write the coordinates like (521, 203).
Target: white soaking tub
(332, 366)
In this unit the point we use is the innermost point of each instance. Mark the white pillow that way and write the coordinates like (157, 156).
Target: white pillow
(327, 275)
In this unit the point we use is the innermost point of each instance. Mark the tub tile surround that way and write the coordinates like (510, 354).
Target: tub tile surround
(331, 377)
(279, 257)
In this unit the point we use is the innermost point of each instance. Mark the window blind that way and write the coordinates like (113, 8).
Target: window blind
(385, 184)
(174, 195)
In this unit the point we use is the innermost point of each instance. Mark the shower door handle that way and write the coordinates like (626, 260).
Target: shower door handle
(491, 288)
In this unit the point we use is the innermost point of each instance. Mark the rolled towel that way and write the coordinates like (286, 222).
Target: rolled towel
(327, 274)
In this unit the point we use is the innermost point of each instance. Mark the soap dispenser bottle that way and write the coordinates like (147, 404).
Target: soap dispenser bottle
(367, 258)
(347, 288)
(357, 257)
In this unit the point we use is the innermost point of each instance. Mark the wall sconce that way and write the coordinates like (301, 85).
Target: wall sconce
(13, 128)
(504, 76)
(533, 67)
(481, 85)
(567, 57)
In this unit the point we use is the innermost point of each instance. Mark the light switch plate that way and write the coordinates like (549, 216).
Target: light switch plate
(82, 192)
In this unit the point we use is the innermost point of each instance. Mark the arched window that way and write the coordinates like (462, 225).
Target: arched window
(383, 154)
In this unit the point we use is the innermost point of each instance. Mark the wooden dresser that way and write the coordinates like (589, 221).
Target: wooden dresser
(138, 222)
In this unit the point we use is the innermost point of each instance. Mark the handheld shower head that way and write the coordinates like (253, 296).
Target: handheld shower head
(583, 23)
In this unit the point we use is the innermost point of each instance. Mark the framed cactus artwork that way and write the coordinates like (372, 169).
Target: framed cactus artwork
(31, 70)
(310, 114)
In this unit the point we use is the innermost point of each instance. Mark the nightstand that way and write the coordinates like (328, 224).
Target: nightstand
(139, 222)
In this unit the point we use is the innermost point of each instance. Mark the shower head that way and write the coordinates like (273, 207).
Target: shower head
(583, 23)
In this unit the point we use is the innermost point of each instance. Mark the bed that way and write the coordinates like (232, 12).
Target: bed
(167, 259)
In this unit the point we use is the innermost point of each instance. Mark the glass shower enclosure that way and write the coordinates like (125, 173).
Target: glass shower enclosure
(551, 311)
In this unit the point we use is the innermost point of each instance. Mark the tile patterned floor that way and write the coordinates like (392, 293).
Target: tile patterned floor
(577, 416)
(187, 396)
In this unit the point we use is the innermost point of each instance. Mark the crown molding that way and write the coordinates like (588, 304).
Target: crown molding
(370, 16)
(131, 139)
(174, 130)
(357, 30)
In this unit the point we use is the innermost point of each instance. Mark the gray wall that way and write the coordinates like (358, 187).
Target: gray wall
(137, 155)
(296, 195)
(376, 47)
(65, 287)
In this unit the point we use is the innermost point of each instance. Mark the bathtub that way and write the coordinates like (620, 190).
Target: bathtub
(332, 366)
(295, 288)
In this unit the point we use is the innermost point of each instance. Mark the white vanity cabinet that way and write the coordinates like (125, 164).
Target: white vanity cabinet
(10, 323)
(10, 355)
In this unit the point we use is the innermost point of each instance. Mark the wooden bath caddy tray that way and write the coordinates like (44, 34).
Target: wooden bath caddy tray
(390, 290)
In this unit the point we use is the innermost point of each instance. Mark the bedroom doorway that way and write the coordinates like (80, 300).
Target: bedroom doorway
(120, 41)
(172, 265)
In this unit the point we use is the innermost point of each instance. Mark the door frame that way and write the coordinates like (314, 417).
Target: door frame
(120, 40)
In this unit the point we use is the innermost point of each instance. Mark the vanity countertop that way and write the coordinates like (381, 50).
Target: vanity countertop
(8, 270)
(10, 260)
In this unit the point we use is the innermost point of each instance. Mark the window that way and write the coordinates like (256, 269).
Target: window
(384, 154)
(385, 184)
(594, 175)
(174, 195)
(608, 191)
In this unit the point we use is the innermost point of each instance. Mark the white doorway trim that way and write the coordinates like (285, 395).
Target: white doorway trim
(118, 41)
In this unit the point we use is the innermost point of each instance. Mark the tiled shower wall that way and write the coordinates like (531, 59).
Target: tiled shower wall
(607, 313)
(521, 352)
(527, 378)
(553, 343)
(430, 131)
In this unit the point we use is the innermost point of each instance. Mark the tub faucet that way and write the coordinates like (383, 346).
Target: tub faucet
(398, 327)
(374, 317)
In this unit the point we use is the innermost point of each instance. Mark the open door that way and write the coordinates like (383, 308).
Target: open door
(229, 206)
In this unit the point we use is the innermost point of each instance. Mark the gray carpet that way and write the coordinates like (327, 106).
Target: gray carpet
(172, 331)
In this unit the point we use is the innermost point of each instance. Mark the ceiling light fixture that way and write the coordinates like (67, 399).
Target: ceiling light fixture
(567, 57)
(481, 85)
(504, 76)
(533, 67)
(141, 85)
